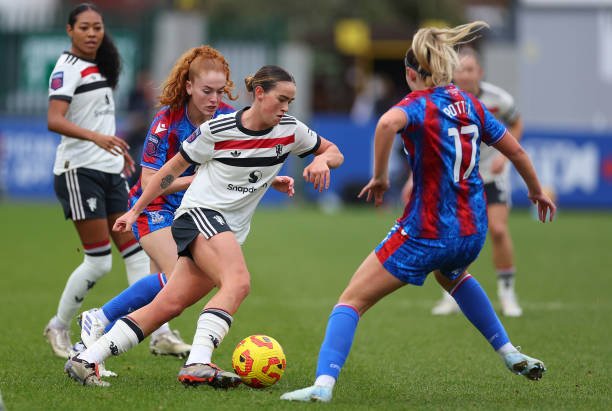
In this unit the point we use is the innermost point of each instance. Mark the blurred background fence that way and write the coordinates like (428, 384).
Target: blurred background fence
(554, 56)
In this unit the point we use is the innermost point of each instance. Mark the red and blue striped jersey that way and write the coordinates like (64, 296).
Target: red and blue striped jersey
(442, 138)
(167, 132)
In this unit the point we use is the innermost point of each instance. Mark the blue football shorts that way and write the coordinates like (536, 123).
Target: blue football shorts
(412, 259)
(151, 220)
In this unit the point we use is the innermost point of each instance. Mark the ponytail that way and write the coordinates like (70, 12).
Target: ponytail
(432, 54)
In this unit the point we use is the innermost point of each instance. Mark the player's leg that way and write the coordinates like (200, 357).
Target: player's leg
(369, 284)
(187, 285)
(82, 197)
(142, 291)
(221, 258)
(161, 248)
(136, 261)
(503, 258)
(477, 307)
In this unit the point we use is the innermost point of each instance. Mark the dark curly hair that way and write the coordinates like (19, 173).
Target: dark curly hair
(107, 56)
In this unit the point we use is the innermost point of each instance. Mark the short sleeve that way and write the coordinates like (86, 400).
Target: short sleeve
(306, 141)
(508, 113)
(63, 82)
(199, 146)
(155, 150)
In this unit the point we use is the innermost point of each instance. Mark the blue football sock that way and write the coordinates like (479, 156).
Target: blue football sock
(477, 307)
(339, 335)
(139, 294)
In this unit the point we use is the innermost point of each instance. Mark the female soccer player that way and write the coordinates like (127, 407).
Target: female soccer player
(444, 225)
(495, 172)
(239, 156)
(89, 162)
(191, 95)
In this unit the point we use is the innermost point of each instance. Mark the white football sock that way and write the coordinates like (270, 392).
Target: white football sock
(137, 262)
(507, 348)
(505, 279)
(325, 381)
(80, 282)
(213, 326)
(124, 335)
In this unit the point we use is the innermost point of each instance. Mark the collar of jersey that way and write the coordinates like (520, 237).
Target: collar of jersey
(82, 58)
(246, 130)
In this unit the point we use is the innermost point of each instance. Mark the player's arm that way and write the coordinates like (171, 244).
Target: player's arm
(511, 148)
(387, 127)
(516, 131)
(158, 184)
(179, 184)
(327, 157)
(57, 122)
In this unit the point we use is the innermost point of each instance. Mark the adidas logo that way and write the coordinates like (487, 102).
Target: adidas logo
(236, 153)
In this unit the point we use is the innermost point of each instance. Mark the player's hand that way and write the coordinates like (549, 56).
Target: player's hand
(284, 184)
(375, 189)
(318, 174)
(129, 166)
(124, 223)
(498, 164)
(545, 206)
(113, 144)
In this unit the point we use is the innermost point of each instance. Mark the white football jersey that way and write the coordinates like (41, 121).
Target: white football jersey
(501, 104)
(80, 83)
(237, 165)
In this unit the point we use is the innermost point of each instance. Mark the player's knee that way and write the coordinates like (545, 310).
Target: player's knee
(99, 265)
(498, 231)
(241, 287)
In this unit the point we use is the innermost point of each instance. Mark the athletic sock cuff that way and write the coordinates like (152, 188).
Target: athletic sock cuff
(134, 327)
(224, 315)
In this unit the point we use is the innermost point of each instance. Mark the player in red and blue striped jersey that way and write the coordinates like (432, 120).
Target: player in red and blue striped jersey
(445, 223)
(168, 131)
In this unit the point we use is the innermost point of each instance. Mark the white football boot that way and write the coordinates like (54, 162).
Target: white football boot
(84, 372)
(91, 330)
(169, 343)
(521, 364)
(314, 393)
(59, 339)
(509, 304)
(446, 306)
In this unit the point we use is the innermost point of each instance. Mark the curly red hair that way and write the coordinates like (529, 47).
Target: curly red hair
(192, 62)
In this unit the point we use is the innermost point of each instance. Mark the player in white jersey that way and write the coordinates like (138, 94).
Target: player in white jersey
(239, 156)
(495, 172)
(89, 162)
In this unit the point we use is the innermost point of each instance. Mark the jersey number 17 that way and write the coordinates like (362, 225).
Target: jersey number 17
(472, 131)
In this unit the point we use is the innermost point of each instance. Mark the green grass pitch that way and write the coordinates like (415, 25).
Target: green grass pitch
(300, 260)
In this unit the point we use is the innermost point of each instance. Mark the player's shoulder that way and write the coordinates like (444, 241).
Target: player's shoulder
(288, 120)
(69, 61)
(163, 121)
(224, 108)
(412, 98)
(221, 122)
(497, 93)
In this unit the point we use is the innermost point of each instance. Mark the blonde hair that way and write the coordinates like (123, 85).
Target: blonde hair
(432, 54)
(190, 64)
